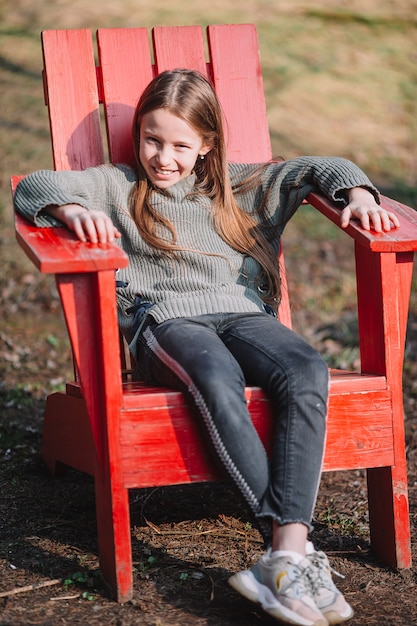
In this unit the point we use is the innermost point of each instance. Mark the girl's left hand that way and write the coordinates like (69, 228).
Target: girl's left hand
(363, 206)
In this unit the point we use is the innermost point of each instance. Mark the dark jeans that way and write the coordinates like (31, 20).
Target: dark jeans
(211, 358)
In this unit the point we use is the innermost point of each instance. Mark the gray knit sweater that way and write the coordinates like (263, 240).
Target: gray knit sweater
(193, 283)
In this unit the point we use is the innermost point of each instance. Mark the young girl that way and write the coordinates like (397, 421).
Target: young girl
(198, 304)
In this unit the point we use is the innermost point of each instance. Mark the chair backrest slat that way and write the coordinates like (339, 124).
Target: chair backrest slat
(126, 69)
(72, 97)
(237, 78)
(179, 47)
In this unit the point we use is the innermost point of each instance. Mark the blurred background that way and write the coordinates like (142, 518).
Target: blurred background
(340, 78)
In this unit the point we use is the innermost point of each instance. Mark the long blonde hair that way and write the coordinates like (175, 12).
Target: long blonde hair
(189, 95)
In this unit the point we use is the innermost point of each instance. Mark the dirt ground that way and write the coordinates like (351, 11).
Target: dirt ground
(186, 540)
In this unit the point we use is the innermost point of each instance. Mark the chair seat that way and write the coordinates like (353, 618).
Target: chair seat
(161, 442)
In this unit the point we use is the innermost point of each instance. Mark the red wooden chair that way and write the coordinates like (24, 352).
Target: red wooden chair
(128, 435)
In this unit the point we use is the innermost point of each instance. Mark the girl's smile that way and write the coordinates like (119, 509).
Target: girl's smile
(169, 147)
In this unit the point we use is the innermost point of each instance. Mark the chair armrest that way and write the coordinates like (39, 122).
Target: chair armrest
(401, 239)
(55, 250)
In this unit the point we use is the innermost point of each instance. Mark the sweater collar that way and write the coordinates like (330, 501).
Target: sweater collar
(178, 191)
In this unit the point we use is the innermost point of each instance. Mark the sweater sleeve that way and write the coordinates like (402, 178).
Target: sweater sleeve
(90, 188)
(286, 184)
(291, 181)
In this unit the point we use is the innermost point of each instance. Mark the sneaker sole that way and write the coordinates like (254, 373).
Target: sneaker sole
(334, 617)
(246, 585)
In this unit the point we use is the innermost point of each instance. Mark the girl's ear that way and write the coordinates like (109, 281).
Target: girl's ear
(204, 150)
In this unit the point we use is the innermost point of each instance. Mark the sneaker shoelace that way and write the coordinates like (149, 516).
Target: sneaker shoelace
(319, 573)
(297, 580)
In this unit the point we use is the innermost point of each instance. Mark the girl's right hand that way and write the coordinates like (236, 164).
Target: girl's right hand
(94, 226)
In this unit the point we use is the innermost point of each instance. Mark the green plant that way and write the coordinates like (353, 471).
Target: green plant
(344, 524)
(81, 578)
(144, 566)
(19, 396)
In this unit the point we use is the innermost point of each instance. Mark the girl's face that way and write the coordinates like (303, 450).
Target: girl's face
(169, 148)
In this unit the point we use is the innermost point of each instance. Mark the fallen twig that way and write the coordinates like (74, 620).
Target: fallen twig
(16, 590)
(211, 531)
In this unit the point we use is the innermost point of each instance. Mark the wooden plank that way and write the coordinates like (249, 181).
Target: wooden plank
(237, 77)
(383, 295)
(72, 98)
(67, 436)
(58, 251)
(89, 303)
(139, 395)
(126, 69)
(359, 431)
(163, 448)
(398, 240)
(389, 517)
(179, 47)
(103, 400)
(163, 445)
(343, 381)
(14, 181)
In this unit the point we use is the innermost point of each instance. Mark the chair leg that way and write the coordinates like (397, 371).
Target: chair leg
(389, 516)
(384, 284)
(114, 541)
(66, 439)
(50, 447)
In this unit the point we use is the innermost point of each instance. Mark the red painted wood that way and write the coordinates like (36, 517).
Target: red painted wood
(284, 309)
(112, 503)
(134, 436)
(359, 433)
(161, 442)
(342, 381)
(72, 98)
(401, 239)
(14, 180)
(57, 250)
(67, 436)
(89, 302)
(237, 78)
(140, 395)
(383, 294)
(83, 312)
(179, 47)
(126, 69)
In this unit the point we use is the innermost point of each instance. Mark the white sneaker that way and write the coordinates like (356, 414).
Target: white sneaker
(326, 595)
(282, 588)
